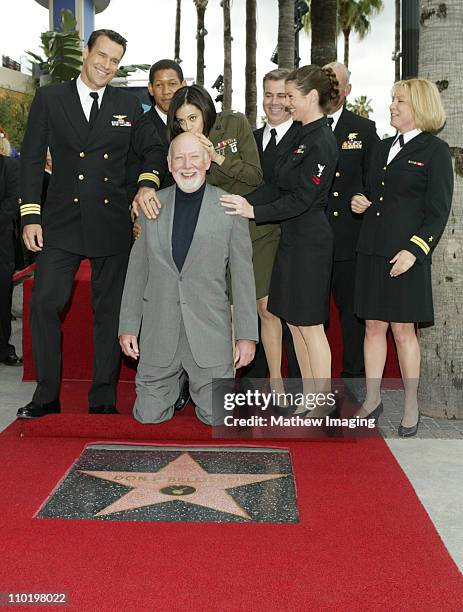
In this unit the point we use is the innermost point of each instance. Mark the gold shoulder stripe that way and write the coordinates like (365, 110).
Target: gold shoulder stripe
(148, 176)
(421, 243)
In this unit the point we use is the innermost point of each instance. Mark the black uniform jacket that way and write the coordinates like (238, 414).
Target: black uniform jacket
(95, 171)
(9, 191)
(302, 180)
(356, 137)
(411, 198)
(161, 128)
(284, 149)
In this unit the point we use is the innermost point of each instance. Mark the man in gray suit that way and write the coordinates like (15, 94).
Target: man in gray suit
(176, 292)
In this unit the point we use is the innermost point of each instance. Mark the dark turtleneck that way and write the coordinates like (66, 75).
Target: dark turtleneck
(186, 213)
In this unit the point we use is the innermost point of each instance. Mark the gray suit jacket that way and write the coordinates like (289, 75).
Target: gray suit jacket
(157, 296)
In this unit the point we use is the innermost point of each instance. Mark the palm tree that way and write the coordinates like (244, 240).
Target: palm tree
(62, 50)
(442, 345)
(361, 106)
(250, 71)
(227, 63)
(200, 34)
(178, 16)
(397, 54)
(286, 34)
(353, 16)
(323, 23)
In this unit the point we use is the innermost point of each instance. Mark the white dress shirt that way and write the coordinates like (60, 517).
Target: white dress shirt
(335, 117)
(85, 98)
(161, 114)
(395, 147)
(280, 130)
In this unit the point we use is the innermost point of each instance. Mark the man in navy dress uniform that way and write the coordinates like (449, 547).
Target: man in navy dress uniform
(275, 141)
(99, 154)
(356, 137)
(165, 78)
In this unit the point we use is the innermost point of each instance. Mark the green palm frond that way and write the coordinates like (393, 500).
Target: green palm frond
(62, 50)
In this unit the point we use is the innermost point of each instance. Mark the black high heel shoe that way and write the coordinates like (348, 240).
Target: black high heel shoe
(409, 432)
(375, 414)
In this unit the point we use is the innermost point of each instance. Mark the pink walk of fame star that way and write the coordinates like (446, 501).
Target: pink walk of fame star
(183, 479)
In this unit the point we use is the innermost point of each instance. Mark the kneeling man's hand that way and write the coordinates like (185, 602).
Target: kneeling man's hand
(244, 352)
(129, 346)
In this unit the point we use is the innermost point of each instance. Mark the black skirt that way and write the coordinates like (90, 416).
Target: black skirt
(402, 299)
(300, 285)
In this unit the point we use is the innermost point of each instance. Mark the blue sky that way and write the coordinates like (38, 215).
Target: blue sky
(149, 27)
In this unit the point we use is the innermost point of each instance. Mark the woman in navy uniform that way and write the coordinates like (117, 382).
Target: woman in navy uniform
(300, 284)
(405, 212)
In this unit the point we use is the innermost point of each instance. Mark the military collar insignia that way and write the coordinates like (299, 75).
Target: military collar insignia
(121, 121)
(415, 163)
(223, 144)
(351, 142)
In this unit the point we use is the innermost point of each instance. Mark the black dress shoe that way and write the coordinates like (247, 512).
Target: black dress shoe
(12, 360)
(409, 432)
(33, 410)
(184, 396)
(105, 409)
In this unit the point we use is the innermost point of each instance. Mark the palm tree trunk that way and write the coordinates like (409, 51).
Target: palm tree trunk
(440, 60)
(178, 15)
(286, 34)
(200, 34)
(227, 63)
(397, 57)
(346, 33)
(250, 71)
(323, 15)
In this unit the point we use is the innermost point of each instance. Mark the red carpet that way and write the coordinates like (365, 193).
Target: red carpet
(364, 542)
(77, 337)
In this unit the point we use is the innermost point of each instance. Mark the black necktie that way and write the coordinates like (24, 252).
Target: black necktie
(400, 140)
(330, 121)
(93, 110)
(272, 143)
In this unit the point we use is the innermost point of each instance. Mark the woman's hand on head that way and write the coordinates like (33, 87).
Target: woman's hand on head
(209, 146)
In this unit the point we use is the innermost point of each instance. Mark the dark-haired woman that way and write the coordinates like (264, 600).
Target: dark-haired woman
(300, 284)
(227, 136)
(408, 204)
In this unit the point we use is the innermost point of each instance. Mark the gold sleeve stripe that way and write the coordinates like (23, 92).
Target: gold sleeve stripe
(148, 176)
(30, 209)
(421, 243)
(30, 204)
